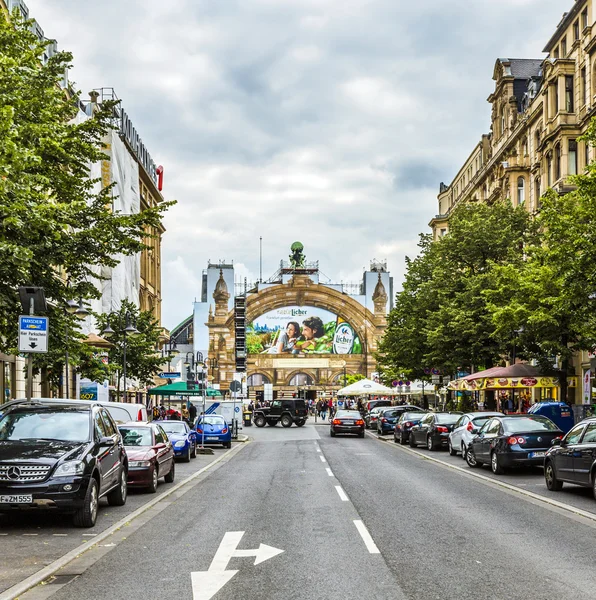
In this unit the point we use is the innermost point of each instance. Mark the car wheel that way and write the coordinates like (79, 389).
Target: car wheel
(463, 451)
(152, 488)
(395, 438)
(452, 450)
(332, 433)
(169, 478)
(495, 464)
(117, 497)
(228, 445)
(402, 439)
(552, 483)
(300, 423)
(260, 421)
(412, 441)
(193, 454)
(361, 434)
(286, 421)
(87, 514)
(470, 459)
(186, 457)
(430, 443)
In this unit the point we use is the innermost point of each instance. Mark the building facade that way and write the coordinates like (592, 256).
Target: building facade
(540, 107)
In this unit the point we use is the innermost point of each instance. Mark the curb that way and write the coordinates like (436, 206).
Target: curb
(497, 482)
(15, 591)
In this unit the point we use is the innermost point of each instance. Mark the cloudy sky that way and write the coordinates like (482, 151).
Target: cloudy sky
(331, 122)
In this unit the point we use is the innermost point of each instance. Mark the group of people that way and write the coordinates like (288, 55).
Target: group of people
(187, 413)
(322, 407)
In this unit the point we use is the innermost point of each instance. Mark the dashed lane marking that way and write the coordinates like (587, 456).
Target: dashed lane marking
(323, 459)
(343, 496)
(329, 471)
(366, 537)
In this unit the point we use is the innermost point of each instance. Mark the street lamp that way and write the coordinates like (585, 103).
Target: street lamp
(77, 309)
(128, 329)
(213, 364)
(169, 349)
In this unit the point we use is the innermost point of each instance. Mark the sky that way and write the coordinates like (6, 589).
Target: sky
(331, 122)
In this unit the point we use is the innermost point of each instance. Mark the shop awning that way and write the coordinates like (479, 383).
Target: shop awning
(180, 389)
(518, 376)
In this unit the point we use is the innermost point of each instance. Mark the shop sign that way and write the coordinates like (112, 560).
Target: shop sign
(134, 141)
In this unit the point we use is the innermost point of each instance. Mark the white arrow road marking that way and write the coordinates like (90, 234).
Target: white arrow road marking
(205, 584)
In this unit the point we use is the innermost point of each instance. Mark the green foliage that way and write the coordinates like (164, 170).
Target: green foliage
(51, 220)
(143, 362)
(441, 317)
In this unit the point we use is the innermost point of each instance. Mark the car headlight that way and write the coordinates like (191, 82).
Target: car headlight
(70, 468)
(139, 463)
(180, 444)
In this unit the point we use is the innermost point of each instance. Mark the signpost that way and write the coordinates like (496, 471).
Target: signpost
(235, 387)
(33, 334)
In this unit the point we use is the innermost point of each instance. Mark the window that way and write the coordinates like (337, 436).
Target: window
(493, 427)
(257, 379)
(502, 120)
(537, 138)
(590, 436)
(537, 192)
(108, 422)
(556, 53)
(572, 158)
(576, 30)
(555, 89)
(521, 191)
(584, 18)
(587, 153)
(557, 162)
(584, 87)
(100, 427)
(160, 435)
(443, 232)
(575, 434)
(569, 93)
(549, 169)
(301, 379)
(564, 47)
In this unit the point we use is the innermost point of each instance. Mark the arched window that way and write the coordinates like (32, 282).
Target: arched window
(257, 379)
(521, 191)
(537, 193)
(301, 379)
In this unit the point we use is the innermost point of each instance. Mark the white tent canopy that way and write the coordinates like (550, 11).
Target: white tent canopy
(366, 387)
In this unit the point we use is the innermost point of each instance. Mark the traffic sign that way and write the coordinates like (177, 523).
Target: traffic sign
(169, 375)
(235, 386)
(33, 334)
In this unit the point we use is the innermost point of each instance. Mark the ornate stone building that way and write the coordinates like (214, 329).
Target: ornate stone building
(539, 109)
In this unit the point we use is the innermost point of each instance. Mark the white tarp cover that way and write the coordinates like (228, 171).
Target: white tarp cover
(124, 280)
(366, 387)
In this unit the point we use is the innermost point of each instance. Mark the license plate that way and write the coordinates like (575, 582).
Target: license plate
(536, 454)
(348, 422)
(18, 499)
(211, 438)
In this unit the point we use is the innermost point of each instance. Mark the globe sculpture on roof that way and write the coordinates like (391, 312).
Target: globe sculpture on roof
(297, 258)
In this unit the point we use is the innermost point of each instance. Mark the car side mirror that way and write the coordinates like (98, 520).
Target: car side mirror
(106, 441)
(159, 446)
(475, 430)
(557, 442)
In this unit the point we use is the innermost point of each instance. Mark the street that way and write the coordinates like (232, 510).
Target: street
(341, 518)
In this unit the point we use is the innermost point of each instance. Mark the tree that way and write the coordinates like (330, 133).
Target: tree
(54, 229)
(441, 318)
(143, 361)
(553, 290)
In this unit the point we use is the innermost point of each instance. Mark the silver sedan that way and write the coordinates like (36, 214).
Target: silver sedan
(465, 429)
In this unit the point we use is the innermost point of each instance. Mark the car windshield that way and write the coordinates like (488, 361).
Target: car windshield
(445, 419)
(173, 427)
(527, 424)
(212, 420)
(50, 425)
(136, 436)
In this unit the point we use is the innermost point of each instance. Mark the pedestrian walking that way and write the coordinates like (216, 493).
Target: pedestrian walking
(192, 411)
(185, 414)
(323, 410)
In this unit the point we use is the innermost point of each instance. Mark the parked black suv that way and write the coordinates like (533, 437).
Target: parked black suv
(63, 457)
(287, 411)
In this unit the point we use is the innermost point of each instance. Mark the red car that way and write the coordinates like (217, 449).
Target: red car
(150, 454)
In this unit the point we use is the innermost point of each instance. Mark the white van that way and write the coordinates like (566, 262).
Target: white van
(121, 412)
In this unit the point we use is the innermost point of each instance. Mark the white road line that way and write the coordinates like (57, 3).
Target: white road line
(318, 449)
(31, 534)
(59, 534)
(366, 537)
(323, 459)
(89, 534)
(342, 494)
(329, 472)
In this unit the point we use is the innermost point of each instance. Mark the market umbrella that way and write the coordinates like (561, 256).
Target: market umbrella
(366, 387)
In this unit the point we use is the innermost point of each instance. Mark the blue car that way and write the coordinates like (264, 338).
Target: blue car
(183, 438)
(213, 430)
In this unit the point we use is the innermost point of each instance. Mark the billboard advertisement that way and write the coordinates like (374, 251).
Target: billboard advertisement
(301, 330)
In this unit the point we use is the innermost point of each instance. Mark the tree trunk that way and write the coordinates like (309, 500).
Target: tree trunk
(563, 379)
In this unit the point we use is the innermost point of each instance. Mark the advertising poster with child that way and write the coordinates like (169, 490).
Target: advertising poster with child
(301, 330)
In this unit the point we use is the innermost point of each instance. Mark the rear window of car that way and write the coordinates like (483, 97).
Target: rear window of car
(527, 424)
(412, 416)
(212, 420)
(480, 421)
(348, 414)
(173, 427)
(120, 415)
(136, 436)
(447, 419)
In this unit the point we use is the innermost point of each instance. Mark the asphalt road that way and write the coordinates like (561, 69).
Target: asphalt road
(30, 541)
(354, 518)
